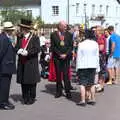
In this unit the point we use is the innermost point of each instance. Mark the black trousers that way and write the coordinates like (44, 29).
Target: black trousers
(62, 71)
(28, 91)
(5, 81)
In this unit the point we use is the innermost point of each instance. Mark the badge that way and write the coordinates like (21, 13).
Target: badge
(62, 43)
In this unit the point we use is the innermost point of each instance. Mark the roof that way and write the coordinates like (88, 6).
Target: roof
(20, 3)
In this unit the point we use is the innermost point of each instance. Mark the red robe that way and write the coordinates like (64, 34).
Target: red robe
(52, 72)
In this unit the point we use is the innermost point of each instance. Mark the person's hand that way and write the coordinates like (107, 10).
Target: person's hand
(47, 57)
(24, 53)
(63, 56)
(19, 51)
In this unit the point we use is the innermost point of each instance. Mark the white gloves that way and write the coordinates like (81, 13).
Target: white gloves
(47, 57)
(22, 52)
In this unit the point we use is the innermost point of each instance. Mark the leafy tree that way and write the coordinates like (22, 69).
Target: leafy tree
(14, 15)
(38, 22)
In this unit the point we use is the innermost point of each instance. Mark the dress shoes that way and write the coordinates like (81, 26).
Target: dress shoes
(7, 106)
(57, 95)
(25, 101)
(68, 95)
(31, 101)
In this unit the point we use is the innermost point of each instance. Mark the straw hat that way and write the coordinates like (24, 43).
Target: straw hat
(8, 26)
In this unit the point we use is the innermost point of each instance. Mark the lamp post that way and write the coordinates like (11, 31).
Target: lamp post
(85, 15)
(68, 11)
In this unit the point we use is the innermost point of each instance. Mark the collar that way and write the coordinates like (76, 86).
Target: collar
(27, 35)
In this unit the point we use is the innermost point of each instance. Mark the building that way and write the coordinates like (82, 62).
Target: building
(32, 6)
(88, 12)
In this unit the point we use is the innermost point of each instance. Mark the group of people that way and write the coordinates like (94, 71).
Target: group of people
(97, 61)
(94, 54)
(93, 51)
(27, 48)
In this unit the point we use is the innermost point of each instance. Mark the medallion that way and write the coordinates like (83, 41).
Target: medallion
(62, 43)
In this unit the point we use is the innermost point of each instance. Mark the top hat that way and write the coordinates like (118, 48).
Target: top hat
(8, 26)
(26, 23)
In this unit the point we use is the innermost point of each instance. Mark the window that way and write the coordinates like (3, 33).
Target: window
(93, 10)
(77, 8)
(29, 12)
(100, 10)
(107, 10)
(55, 10)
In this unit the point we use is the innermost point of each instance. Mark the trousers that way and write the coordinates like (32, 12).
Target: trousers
(28, 91)
(5, 81)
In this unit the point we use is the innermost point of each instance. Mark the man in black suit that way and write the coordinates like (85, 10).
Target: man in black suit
(7, 65)
(28, 47)
(61, 47)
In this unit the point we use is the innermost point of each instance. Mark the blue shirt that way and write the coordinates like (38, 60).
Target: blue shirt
(116, 39)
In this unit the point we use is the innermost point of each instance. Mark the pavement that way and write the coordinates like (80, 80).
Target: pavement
(48, 108)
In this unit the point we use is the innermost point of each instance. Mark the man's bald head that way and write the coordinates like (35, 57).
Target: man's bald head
(62, 25)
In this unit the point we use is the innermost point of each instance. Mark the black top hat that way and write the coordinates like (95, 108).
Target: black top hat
(26, 23)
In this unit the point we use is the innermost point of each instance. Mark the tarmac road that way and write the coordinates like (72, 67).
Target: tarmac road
(48, 108)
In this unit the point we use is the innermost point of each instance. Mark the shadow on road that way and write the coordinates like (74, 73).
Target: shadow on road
(51, 89)
(75, 96)
(16, 98)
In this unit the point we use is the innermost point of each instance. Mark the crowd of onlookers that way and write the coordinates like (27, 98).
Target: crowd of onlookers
(108, 69)
(108, 42)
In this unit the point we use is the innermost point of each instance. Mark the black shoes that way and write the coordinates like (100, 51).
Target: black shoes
(81, 103)
(7, 106)
(91, 102)
(58, 95)
(29, 101)
(68, 95)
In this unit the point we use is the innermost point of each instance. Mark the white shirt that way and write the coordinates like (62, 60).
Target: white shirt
(27, 35)
(42, 40)
(87, 55)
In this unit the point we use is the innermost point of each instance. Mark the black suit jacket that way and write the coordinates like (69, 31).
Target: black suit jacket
(28, 73)
(57, 49)
(7, 56)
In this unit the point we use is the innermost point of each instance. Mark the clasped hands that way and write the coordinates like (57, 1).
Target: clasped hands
(22, 52)
(63, 56)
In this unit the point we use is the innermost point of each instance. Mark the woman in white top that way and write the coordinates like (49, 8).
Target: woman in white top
(87, 63)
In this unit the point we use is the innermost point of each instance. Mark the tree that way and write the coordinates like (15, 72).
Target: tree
(14, 15)
(38, 22)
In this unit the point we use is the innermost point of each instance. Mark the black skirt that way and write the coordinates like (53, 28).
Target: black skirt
(86, 76)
